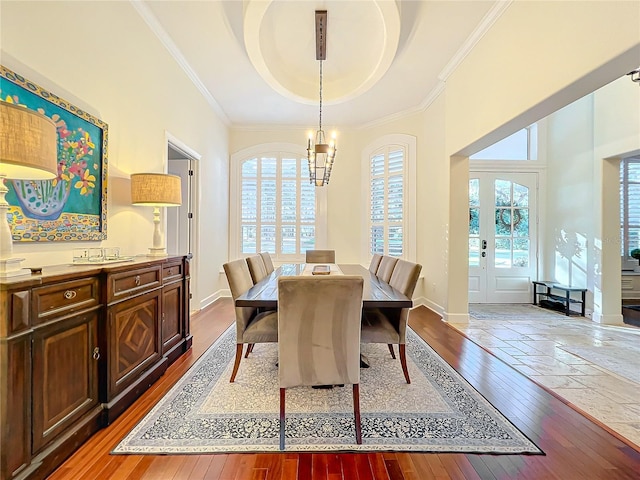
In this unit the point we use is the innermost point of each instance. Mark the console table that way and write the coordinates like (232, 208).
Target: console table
(548, 289)
(78, 345)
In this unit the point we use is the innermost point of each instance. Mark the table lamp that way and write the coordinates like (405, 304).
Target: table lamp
(156, 190)
(28, 151)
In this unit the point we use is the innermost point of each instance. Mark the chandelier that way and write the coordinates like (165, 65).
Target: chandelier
(320, 154)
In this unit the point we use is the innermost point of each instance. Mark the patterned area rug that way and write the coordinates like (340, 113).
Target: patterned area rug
(438, 412)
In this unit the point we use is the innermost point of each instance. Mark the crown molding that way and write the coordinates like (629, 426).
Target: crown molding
(483, 27)
(496, 11)
(152, 22)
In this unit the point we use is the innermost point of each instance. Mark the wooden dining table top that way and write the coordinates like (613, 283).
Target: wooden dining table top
(376, 293)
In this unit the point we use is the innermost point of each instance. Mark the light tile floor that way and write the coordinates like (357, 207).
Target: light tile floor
(594, 367)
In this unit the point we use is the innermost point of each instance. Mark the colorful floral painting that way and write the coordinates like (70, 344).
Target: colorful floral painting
(72, 206)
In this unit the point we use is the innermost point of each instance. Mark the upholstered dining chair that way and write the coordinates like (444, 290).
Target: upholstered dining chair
(385, 269)
(257, 268)
(268, 263)
(319, 336)
(375, 263)
(321, 256)
(389, 325)
(252, 326)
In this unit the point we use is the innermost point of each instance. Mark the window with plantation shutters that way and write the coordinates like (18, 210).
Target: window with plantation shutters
(629, 209)
(391, 202)
(276, 210)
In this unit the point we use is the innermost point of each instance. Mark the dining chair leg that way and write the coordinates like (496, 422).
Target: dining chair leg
(403, 361)
(356, 412)
(393, 354)
(249, 349)
(236, 364)
(282, 419)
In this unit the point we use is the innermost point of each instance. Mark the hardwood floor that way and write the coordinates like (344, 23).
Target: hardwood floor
(575, 447)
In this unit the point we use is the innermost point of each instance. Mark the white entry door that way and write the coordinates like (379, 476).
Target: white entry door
(502, 236)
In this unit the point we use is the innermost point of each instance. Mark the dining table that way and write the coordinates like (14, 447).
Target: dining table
(376, 293)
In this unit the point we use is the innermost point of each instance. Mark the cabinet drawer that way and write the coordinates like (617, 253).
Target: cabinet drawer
(124, 284)
(171, 272)
(64, 298)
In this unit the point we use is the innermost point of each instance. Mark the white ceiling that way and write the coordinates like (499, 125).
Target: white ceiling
(255, 63)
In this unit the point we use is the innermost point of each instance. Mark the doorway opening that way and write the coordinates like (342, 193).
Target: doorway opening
(180, 221)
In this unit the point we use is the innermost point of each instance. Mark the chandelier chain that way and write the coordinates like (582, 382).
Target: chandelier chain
(320, 121)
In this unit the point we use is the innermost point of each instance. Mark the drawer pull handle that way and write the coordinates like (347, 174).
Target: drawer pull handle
(96, 353)
(70, 294)
(137, 280)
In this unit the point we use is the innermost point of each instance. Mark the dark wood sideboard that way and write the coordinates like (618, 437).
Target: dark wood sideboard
(78, 345)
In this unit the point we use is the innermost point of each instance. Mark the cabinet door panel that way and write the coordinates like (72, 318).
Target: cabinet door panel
(15, 385)
(172, 312)
(64, 375)
(134, 339)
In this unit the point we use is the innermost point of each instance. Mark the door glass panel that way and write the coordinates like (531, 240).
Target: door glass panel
(520, 195)
(520, 222)
(520, 252)
(503, 221)
(474, 192)
(474, 252)
(503, 253)
(474, 221)
(503, 193)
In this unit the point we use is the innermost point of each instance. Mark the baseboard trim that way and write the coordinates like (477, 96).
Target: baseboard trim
(213, 297)
(609, 319)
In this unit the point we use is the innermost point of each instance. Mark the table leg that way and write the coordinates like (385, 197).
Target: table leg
(567, 303)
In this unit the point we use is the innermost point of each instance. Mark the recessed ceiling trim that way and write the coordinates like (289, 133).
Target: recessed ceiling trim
(293, 85)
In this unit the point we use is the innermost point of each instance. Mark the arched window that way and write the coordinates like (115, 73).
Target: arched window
(273, 204)
(389, 164)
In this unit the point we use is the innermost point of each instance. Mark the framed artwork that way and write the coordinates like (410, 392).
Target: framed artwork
(72, 206)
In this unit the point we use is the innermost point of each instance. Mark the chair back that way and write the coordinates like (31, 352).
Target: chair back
(375, 263)
(240, 281)
(405, 277)
(385, 269)
(319, 320)
(256, 268)
(321, 256)
(268, 263)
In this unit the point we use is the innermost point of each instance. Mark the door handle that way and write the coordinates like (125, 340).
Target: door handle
(484, 254)
(484, 245)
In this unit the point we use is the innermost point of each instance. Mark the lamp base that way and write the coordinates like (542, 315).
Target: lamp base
(157, 252)
(10, 267)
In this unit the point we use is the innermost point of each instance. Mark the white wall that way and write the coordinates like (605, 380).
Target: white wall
(570, 189)
(103, 58)
(584, 143)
